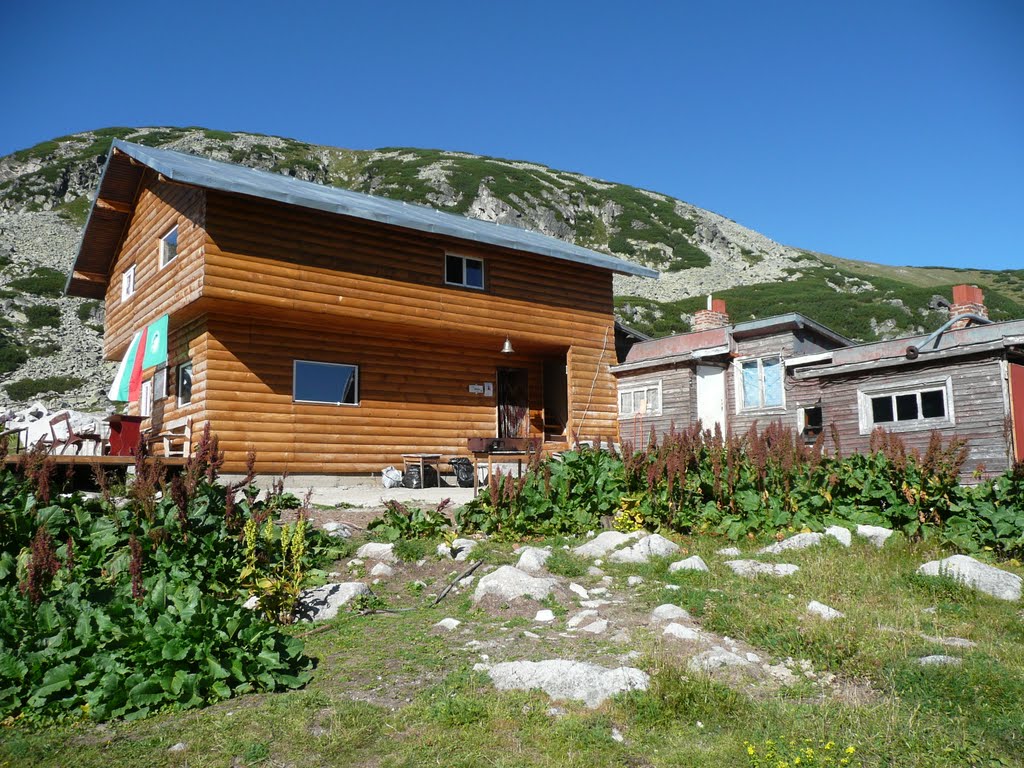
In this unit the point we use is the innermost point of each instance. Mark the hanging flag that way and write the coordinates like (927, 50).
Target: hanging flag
(156, 343)
(147, 349)
(119, 389)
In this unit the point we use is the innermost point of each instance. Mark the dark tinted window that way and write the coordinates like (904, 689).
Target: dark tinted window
(933, 404)
(326, 383)
(453, 270)
(906, 407)
(881, 409)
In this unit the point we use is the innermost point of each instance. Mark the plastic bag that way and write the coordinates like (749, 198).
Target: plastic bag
(463, 469)
(391, 477)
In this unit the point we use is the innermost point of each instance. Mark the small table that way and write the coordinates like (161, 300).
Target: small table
(478, 455)
(423, 460)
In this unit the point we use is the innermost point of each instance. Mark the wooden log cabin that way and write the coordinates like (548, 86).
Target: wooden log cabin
(331, 331)
(966, 381)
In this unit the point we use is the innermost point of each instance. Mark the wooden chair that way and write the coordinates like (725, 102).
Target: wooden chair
(60, 445)
(176, 438)
(17, 442)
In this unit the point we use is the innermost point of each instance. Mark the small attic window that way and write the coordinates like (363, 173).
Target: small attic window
(464, 271)
(169, 247)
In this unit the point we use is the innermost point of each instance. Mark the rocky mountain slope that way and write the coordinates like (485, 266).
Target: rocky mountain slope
(50, 344)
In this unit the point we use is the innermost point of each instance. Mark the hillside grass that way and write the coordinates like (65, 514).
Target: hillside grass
(387, 691)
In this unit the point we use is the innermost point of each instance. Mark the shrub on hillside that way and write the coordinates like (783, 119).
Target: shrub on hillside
(43, 281)
(23, 389)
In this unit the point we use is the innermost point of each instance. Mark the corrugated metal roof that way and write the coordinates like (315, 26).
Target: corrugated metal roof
(227, 177)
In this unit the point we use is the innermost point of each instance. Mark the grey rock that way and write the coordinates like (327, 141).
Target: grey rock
(181, 746)
(321, 603)
(598, 627)
(533, 559)
(695, 563)
(840, 534)
(605, 542)
(681, 632)
(753, 568)
(508, 583)
(875, 534)
(669, 612)
(730, 552)
(716, 658)
(448, 624)
(800, 541)
(823, 611)
(384, 553)
(579, 591)
(594, 571)
(654, 545)
(975, 574)
(939, 660)
(634, 581)
(381, 569)
(950, 642)
(563, 680)
(337, 530)
(544, 616)
(459, 550)
(581, 617)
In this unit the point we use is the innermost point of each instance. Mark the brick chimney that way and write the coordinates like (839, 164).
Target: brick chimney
(713, 317)
(967, 299)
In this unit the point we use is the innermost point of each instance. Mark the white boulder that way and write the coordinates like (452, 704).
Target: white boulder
(323, 602)
(533, 559)
(695, 563)
(681, 632)
(384, 553)
(875, 534)
(669, 612)
(654, 545)
(604, 543)
(800, 541)
(840, 534)
(975, 574)
(562, 680)
(509, 583)
(752, 568)
(823, 611)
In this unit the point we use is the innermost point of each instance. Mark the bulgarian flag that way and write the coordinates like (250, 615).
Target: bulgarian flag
(147, 349)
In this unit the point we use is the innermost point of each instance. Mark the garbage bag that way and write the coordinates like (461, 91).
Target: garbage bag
(391, 477)
(463, 469)
(412, 477)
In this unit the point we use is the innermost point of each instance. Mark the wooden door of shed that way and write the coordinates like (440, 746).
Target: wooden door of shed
(1017, 409)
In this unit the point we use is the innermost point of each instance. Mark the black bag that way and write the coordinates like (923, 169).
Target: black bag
(463, 469)
(412, 479)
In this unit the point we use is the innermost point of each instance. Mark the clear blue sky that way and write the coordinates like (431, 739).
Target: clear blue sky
(883, 131)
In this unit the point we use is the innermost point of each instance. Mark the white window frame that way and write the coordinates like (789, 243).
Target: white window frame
(356, 383)
(146, 399)
(464, 259)
(741, 406)
(164, 260)
(181, 369)
(128, 283)
(864, 409)
(642, 389)
(801, 418)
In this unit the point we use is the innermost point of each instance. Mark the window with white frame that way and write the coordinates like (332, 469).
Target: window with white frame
(160, 383)
(325, 383)
(640, 401)
(169, 247)
(918, 407)
(464, 271)
(184, 384)
(146, 399)
(760, 383)
(128, 283)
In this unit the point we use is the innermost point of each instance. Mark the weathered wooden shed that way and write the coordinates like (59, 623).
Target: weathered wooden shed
(332, 331)
(722, 374)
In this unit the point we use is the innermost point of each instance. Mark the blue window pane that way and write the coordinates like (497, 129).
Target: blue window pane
(325, 383)
(772, 381)
(751, 385)
(474, 273)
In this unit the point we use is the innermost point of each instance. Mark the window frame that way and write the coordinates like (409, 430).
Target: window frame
(182, 367)
(128, 283)
(164, 261)
(160, 383)
(641, 388)
(356, 383)
(146, 399)
(741, 405)
(464, 284)
(865, 398)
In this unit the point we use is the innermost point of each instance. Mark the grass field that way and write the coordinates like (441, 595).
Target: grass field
(391, 691)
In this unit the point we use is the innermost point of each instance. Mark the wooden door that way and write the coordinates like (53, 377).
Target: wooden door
(1017, 409)
(513, 401)
(711, 396)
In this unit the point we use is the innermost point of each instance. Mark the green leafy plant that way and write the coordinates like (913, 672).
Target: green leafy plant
(792, 754)
(403, 522)
(115, 608)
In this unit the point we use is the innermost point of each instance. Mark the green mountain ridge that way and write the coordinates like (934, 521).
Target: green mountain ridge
(45, 195)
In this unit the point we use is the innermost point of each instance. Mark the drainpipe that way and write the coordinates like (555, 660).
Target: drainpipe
(914, 351)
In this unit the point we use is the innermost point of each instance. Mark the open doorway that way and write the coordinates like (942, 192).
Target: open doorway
(556, 399)
(513, 402)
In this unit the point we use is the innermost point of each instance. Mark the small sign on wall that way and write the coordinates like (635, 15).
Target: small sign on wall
(488, 389)
(476, 389)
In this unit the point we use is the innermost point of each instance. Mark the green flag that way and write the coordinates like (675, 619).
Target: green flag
(156, 343)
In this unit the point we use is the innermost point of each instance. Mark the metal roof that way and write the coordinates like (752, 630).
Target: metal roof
(790, 320)
(237, 179)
